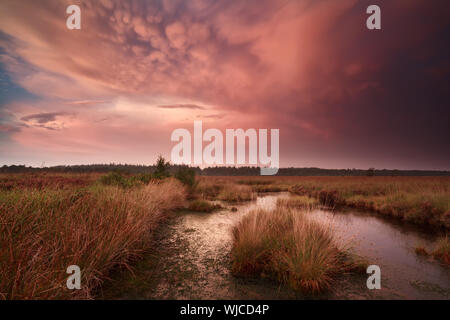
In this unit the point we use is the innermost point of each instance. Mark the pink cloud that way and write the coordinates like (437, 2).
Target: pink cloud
(307, 67)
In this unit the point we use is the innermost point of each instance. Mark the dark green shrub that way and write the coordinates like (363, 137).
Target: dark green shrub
(145, 178)
(186, 176)
(162, 168)
(115, 179)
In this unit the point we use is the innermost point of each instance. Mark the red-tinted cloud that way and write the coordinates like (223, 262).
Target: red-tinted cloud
(341, 95)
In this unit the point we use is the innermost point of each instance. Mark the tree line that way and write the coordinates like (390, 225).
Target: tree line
(219, 171)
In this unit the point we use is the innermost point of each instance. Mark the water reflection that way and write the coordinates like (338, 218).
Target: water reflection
(195, 262)
(392, 248)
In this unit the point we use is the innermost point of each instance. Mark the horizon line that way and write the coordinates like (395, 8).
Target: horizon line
(219, 166)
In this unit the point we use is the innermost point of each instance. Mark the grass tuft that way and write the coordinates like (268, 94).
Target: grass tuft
(300, 202)
(203, 206)
(236, 193)
(421, 251)
(290, 247)
(442, 250)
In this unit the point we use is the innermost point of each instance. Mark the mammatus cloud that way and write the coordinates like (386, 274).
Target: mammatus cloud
(341, 95)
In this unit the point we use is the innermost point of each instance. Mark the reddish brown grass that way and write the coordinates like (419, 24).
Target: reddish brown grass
(288, 246)
(42, 232)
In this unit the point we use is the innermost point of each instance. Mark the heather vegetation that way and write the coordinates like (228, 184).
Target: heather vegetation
(104, 221)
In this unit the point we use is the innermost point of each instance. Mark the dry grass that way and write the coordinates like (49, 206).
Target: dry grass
(264, 185)
(442, 250)
(236, 193)
(285, 244)
(203, 206)
(42, 232)
(223, 188)
(51, 221)
(299, 202)
(421, 251)
(209, 188)
(44, 180)
(420, 200)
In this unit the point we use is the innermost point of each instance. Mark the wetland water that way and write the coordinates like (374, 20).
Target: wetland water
(192, 260)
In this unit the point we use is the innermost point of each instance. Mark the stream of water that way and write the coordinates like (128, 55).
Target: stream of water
(194, 260)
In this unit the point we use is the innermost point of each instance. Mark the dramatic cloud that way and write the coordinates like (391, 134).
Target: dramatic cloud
(341, 95)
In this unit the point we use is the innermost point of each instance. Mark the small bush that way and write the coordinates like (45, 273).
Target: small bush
(115, 179)
(162, 168)
(370, 172)
(186, 176)
(145, 178)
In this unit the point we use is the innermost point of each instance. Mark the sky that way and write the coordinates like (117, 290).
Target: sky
(341, 95)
